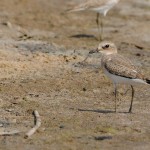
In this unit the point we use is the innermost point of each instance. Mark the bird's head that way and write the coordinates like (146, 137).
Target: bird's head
(105, 48)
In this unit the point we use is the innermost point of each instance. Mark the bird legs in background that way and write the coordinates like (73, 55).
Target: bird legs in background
(100, 27)
(100, 31)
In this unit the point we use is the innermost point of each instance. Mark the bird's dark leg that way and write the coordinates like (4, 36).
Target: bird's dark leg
(115, 97)
(98, 25)
(130, 109)
(101, 29)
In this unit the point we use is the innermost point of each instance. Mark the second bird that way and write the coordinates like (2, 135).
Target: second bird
(99, 6)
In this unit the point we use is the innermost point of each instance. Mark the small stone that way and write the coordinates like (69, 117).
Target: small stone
(1, 125)
(138, 54)
(84, 89)
(61, 126)
(7, 24)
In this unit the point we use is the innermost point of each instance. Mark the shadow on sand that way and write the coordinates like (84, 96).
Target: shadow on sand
(98, 111)
(83, 36)
(103, 111)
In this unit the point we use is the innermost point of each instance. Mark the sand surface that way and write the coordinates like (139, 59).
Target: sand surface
(40, 49)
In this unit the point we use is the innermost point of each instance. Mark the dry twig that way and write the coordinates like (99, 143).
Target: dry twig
(37, 125)
(7, 133)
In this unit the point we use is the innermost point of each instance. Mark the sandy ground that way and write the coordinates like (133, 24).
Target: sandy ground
(40, 49)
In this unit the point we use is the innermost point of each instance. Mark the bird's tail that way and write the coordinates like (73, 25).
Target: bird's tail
(74, 10)
(148, 81)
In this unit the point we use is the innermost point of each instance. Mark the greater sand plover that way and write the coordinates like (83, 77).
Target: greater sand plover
(99, 6)
(119, 69)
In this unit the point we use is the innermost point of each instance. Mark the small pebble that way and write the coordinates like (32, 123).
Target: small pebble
(61, 126)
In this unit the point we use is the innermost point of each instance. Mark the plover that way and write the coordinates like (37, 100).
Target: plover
(99, 6)
(119, 69)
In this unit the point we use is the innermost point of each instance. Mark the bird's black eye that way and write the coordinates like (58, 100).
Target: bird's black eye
(106, 46)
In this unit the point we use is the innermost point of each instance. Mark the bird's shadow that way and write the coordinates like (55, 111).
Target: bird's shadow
(98, 111)
(103, 111)
(83, 36)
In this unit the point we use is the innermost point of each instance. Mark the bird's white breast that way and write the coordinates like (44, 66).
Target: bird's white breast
(122, 80)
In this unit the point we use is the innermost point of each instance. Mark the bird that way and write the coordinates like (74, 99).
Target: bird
(119, 69)
(99, 6)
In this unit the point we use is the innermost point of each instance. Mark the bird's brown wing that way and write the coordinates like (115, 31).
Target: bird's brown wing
(121, 66)
(88, 4)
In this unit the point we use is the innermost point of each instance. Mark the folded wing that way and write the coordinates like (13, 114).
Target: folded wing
(122, 66)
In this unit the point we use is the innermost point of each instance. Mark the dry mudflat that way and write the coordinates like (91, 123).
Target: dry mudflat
(40, 49)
